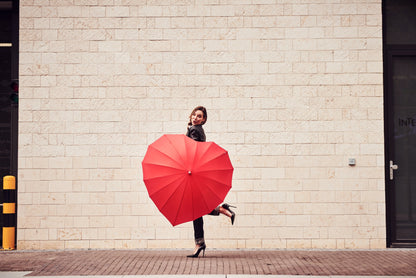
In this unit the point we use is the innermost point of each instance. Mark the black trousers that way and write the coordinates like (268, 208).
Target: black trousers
(199, 231)
(199, 227)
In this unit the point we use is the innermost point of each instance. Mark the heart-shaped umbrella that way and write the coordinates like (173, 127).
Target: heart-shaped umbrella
(186, 179)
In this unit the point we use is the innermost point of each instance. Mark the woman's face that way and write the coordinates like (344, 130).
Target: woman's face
(197, 118)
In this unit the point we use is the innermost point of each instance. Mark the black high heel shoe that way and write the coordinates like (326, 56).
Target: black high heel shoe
(196, 254)
(227, 207)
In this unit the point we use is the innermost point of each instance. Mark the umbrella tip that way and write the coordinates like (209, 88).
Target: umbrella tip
(189, 172)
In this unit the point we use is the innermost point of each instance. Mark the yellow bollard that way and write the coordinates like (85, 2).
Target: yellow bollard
(9, 183)
(8, 238)
(9, 213)
(9, 208)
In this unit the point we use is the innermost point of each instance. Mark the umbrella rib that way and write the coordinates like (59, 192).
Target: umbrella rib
(220, 182)
(168, 157)
(193, 189)
(212, 158)
(163, 186)
(217, 181)
(211, 190)
(163, 166)
(214, 170)
(206, 205)
(197, 149)
(202, 154)
(182, 197)
(176, 189)
(176, 150)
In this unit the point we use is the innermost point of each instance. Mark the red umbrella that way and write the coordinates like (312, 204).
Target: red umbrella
(186, 179)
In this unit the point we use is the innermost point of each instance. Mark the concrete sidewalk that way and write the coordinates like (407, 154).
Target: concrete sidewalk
(215, 264)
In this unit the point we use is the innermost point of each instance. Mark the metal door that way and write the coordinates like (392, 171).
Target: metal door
(401, 148)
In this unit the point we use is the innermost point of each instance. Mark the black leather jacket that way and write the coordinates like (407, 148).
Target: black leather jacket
(196, 132)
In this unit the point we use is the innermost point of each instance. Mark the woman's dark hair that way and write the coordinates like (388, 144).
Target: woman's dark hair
(204, 113)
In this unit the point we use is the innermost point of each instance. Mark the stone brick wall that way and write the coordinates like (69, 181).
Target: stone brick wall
(293, 90)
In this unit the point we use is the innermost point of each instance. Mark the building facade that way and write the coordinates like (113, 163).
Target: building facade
(294, 91)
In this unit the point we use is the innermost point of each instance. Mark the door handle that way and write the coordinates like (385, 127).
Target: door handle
(392, 168)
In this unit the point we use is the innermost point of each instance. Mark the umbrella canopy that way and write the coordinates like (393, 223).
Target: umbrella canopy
(186, 179)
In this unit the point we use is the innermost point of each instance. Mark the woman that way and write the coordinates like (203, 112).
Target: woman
(195, 131)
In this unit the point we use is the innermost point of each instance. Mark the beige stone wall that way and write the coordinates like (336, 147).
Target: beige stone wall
(293, 90)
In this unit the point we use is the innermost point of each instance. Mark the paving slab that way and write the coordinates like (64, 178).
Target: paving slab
(13, 274)
(231, 263)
